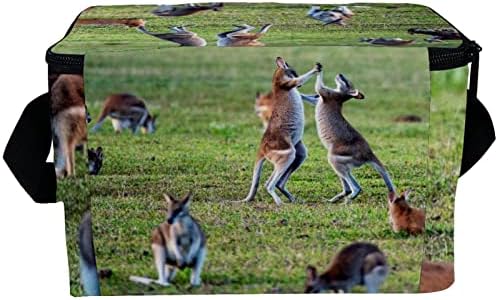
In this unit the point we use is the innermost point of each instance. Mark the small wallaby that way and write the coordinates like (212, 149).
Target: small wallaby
(347, 149)
(95, 160)
(88, 265)
(403, 217)
(264, 105)
(356, 264)
(69, 121)
(126, 111)
(281, 143)
(178, 243)
(436, 276)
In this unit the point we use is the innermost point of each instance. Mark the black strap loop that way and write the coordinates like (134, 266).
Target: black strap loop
(479, 131)
(28, 148)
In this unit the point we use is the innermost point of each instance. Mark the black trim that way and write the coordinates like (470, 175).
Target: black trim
(28, 148)
(479, 131)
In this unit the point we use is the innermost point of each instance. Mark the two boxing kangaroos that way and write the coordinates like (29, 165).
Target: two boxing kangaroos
(282, 143)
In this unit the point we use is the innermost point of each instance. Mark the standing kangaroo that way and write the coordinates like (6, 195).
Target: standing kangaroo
(347, 149)
(281, 143)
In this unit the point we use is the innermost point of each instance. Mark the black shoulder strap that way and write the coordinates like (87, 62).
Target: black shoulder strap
(28, 148)
(479, 131)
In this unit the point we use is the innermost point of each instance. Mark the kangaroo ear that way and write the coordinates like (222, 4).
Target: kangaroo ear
(258, 93)
(311, 273)
(407, 193)
(169, 198)
(281, 63)
(392, 197)
(187, 199)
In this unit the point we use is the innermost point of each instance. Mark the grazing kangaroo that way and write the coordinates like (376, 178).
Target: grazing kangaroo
(179, 35)
(281, 143)
(95, 160)
(347, 149)
(126, 111)
(403, 217)
(184, 10)
(69, 121)
(126, 22)
(177, 243)
(242, 37)
(356, 264)
(436, 276)
(88, 265)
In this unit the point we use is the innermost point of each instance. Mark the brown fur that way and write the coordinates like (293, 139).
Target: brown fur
(119, 103)
(347, 269)
(68, 119)
(124, 105)
(264, 107)
(404, 217)
(436, 277)
(126, 22)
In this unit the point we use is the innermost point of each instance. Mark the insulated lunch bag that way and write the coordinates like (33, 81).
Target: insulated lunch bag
(255, 148)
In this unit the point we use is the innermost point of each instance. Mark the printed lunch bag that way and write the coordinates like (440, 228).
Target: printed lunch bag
(165, 119)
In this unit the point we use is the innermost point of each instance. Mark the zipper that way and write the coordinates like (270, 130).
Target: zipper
(439, 58)
(450, 58)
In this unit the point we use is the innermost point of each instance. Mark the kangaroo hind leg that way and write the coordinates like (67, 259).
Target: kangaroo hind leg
(281, 159)
(301, 155)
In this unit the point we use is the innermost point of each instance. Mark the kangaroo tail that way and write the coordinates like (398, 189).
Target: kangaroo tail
(255, 178)
(88, 264)
(142, 280)
(379, 167)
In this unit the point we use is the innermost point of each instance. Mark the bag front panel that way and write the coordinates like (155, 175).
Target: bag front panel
(206, 141)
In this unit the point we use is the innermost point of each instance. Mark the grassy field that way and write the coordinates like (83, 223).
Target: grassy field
(206, 142)
(291, 26)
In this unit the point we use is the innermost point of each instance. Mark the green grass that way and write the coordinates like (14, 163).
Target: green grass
(206, 142)
(291, 26)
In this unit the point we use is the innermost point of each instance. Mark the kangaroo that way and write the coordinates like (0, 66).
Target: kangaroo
(179, 35)
(69, 119)
(126, 22)
(387, 41)
(95, 160)
(242, 37)
(184, 10)
(347, 149)
(178, 243)
(327, 17)
(88, 266)
(403, 217)
(126, 111)
(264, 105)
(356, 264)
(436, 276)
(281, 143)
